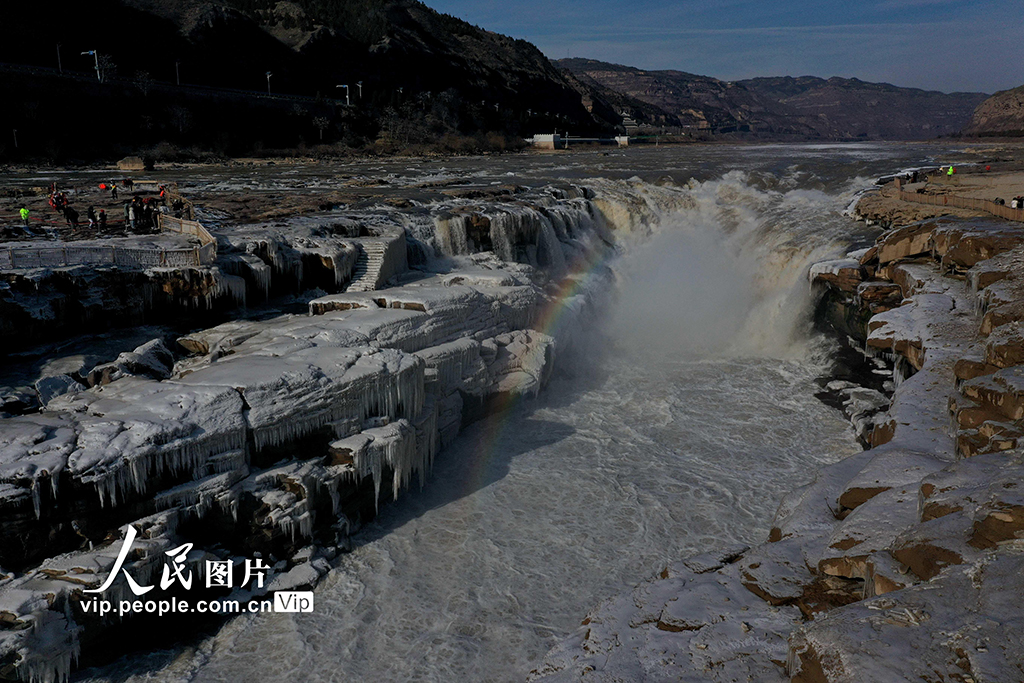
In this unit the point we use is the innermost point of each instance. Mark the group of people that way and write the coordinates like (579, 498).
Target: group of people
(60, 203)
(139, 213)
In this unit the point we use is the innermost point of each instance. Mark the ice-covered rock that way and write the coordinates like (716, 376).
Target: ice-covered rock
(152, 359)
(963, 625)
(50, 388)
(17, 400)
(845, 274)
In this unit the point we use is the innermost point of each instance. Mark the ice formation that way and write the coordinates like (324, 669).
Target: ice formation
(276, 427)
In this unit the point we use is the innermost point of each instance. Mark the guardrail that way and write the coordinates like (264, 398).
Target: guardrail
(991, 207)
(56, 257)
(129, 257)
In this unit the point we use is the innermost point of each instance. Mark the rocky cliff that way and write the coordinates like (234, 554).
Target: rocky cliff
(1001, 114)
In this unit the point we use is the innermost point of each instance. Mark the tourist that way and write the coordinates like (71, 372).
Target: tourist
(24, 215)
(113, 191)
(71, 216)
(91, 213)
(103, 219)
(133, 216)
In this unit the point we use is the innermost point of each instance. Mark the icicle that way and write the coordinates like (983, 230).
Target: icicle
(130, 474)
(260, 274)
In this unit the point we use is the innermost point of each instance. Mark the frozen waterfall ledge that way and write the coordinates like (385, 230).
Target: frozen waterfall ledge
(903, 562)
(279, 437)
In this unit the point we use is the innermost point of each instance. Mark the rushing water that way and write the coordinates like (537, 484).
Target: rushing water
(676, 431)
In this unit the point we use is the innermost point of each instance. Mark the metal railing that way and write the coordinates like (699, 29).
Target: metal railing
(129, 257)
(987, 205)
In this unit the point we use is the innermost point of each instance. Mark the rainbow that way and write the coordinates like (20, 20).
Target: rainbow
(552, 319)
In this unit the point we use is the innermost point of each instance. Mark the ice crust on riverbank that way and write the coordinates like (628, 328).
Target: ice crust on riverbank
(286, 431)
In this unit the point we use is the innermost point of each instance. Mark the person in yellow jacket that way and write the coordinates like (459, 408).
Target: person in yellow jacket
(24, 215)
(950, 171)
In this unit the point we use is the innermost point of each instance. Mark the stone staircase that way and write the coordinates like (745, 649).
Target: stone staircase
(366, 272)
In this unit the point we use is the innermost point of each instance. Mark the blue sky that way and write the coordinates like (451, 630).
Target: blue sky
(933, 44)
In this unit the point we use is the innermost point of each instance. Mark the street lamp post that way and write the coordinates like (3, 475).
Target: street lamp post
(359, 84)
(269, 74)
(96, 57)
(347, 102)
(59, 67)
(177, 74)
(15, 138)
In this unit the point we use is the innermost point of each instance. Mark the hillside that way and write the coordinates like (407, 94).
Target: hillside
(808, 107)
(424, 75)
(851, 108)
(1001, 114)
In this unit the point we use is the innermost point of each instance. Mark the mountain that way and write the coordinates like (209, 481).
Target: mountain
(687, 101)
(851, 108)
(1002, 114)
(834, 108)
(423, 75)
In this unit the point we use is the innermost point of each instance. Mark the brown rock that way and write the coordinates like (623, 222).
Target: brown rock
(1002, 524)
(1006, 351)
(828, 592)
(883, 433)
(909, 283)
(962, 245)
(884, 575)
(846, 279)
(879, 296)
(966, 369)
(810, 669)
(870, 256)
(926, 558)
(1001, 315)
(131, 164)
(901, 243)
(993, 391)
(853, 498)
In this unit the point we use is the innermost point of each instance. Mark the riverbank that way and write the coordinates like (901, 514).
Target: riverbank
(899, 563)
